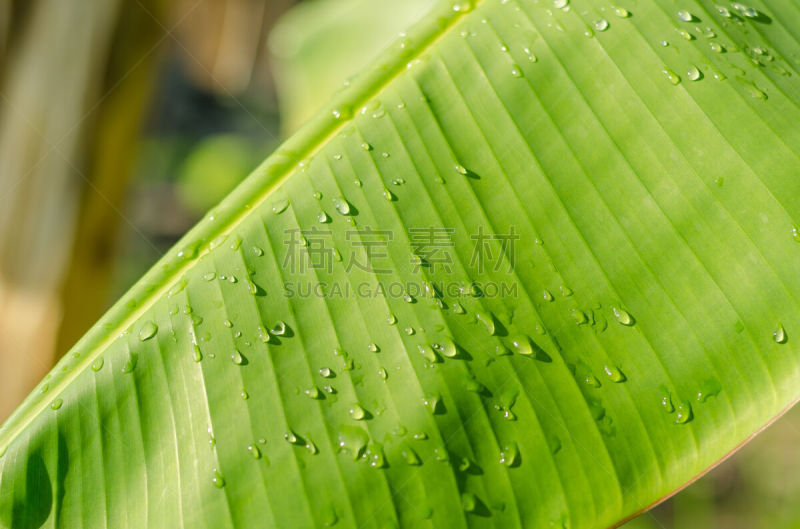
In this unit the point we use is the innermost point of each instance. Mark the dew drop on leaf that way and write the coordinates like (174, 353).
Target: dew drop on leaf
(409, 455)
(623, 316)
(148, 330)
(600, 24)
(357, 412)
(97, 365)
(217, 480)
(683, 412)
(469, 502)
(779, 334)
(614, 373)
(685, 15)
(56, 404)
(509, 454)
(254, 451)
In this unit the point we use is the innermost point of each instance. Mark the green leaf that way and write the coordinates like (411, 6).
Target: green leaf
(611, 253)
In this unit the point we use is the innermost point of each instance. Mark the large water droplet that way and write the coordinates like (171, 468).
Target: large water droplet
(685, 15)
(692, 73)
(97, 365)
(352, 440)
(237, 358)
(56, 404)
(601, 24)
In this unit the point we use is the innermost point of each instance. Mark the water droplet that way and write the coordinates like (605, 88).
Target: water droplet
(685, 15)
(148, 330)
(244, 395)
(469, 502)
(237, 358)
(671, 76)
(409, 455)
(280, 205)
(217, 479)
(326, 372)
(313, 392)
(522, 345)
(614, 373)
(461, 169)
(666, 403)
(352, 440)
(56, 404)
(196, 354)
(432, 402)
(579, 316)
(279, 329)
(716, 47)
(509, 454)
(322, 217)
(130, 363)
(382, 373)
(621, 12)
(373, 348)
(375, 455)
(97, 365)
(683, 412)
(254, 451)
(341, 205)
(463, 6)
(600, 24)
(291, 437)
(693, 73)
(565, 291)
(724, 11)
(623, 316)
(796, 232)
(427, 353)
(446, 348)
(388, 195)
(357, 412)
(516, 71)
(366, 146)
(487, 320)
(779, 334)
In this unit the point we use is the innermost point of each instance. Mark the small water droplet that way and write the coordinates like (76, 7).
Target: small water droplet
(409, 455)
(56, 404)
(373, 348)
(621, 12)
(671, 76)
(217, 479)
(291, 437)
(614, 373)
(446, 348)
(623, 316)
(469, 502)
(313, 393)
(461, 169)
(130, 363)
(683, 412)
(432, 403)
(280, 205)
(326, 372)
(97, 365)
(509, 454)
(352, 440)
(254, 451)
(779, 334)
(685, 15)
(693, 73)
(516, 71)
(237, 358)
(196, 354)
(357, 412)
(148, 330)
(600, 24)
(716, 47)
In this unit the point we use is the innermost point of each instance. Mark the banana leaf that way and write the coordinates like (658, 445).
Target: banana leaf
(537, 266)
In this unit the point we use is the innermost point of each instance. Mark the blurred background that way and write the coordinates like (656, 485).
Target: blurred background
(123, 121)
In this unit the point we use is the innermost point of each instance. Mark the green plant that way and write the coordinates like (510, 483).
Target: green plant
(636, 164)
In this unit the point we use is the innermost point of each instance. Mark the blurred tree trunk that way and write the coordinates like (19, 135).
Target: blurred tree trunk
(55, 106)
